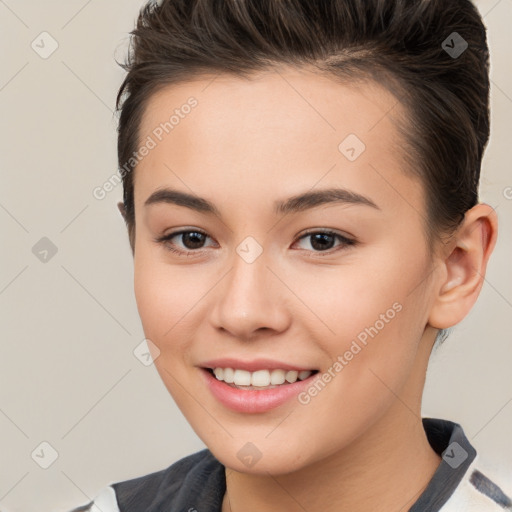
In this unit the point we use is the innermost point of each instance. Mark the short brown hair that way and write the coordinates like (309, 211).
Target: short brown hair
(404, 44)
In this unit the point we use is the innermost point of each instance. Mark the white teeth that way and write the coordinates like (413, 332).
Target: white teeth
(242, 378)
(291, 376)
(229, 375)
(277, 377)
(260, 378)
(304, 374)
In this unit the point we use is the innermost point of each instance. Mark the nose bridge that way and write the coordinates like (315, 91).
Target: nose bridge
(250, 296)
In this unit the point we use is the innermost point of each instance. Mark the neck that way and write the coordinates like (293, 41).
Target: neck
(367, 476)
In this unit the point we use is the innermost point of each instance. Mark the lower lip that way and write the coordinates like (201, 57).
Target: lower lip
(254, 400)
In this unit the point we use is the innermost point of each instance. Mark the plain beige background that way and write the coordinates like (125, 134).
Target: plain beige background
(68, 373)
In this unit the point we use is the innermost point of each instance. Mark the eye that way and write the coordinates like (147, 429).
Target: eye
(322, 241)
(193, 241)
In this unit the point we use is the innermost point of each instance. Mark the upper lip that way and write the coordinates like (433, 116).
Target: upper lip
(251, 366)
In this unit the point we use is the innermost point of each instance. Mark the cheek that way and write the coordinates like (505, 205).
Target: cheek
(163, 301)
(164, 294)
(373, 293)
(153, 297)
(170, 301)
(376, 315)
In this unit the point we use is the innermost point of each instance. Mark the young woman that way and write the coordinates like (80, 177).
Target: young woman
(301, 196)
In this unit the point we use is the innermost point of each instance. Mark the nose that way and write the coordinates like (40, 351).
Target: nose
(251, 300)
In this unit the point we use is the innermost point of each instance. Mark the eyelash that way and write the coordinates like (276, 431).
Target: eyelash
(164, 240)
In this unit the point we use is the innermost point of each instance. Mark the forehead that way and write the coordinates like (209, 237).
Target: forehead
(288, 128)
(289, 96)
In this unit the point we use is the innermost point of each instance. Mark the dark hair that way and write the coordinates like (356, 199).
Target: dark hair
(431, 54)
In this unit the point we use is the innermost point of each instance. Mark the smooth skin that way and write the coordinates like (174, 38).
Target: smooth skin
(359, 444)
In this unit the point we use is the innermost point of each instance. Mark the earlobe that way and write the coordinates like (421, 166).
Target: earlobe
(464, 267)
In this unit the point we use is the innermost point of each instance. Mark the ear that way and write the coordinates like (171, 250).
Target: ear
(131, 229)
(122, 209)
(463, 267)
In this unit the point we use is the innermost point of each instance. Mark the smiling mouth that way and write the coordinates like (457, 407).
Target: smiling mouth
(260, 379)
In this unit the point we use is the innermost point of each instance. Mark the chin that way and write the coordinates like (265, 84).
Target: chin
(261, 456)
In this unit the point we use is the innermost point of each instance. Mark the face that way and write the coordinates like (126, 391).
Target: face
(255, 278)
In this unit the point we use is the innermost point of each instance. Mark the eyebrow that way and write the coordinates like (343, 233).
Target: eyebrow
(297, 203)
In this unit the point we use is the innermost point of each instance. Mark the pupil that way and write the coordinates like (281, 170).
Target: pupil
(187, 237)
(322, 238)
